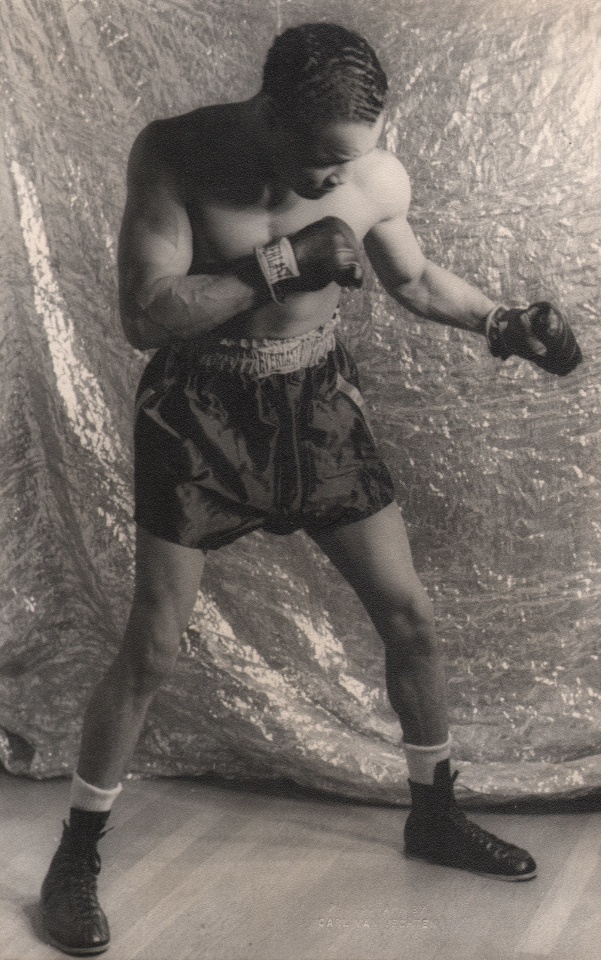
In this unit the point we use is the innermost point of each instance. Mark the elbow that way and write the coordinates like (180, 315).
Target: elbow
(131, 330)
(136, 341)
(411, 295)
(136, 323)
(136, 332)
(413, 292)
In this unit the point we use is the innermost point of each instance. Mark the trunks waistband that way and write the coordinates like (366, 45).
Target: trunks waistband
(265, 356)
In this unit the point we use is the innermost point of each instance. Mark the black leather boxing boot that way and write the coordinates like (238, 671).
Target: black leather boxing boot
(74, 920)
(438, 831)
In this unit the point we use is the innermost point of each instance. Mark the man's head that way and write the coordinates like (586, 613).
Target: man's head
(326, 91)
(320, 72)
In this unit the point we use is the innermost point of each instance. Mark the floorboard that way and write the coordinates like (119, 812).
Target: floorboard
(207, 871)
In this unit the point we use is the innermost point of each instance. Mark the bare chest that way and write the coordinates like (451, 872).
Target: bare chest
(225, 231)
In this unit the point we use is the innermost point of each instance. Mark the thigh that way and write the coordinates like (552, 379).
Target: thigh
(167, 576)
(374, 556)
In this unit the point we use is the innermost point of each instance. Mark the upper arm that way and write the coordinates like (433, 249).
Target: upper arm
(155, 239)
(391, 245)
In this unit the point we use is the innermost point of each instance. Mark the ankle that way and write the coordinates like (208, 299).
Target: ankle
(86, 796)
(87, 827)
(423, 760)
(435, 799)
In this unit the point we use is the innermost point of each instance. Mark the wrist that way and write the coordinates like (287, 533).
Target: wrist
(248, 272)
(493, 332)
(490, 320)
(277, 263)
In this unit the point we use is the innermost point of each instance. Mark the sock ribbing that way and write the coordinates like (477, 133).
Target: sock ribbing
(422, 761)
(85, 796)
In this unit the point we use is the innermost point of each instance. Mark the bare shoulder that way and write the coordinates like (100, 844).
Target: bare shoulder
(157, 147)
(150, 158)
(189, 149)
(385, 182)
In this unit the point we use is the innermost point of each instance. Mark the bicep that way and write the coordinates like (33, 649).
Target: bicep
(395, 254)
(390, 244)
(155, 239)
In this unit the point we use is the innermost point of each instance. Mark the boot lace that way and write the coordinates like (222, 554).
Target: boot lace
(76, 871)
(480, 838)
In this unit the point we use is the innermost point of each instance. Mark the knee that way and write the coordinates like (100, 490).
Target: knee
(405, 621)
(152, 641)
(163, 605)
(147, 666)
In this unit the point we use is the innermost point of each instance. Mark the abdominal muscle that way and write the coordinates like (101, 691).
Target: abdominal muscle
(300, 313)
(222, 235)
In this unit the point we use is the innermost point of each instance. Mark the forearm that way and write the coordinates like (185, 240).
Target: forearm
(445, 298)
(183, 307)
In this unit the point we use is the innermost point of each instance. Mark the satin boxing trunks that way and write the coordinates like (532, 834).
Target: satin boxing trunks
(236, 435)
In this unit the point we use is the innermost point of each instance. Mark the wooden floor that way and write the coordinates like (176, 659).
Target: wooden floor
(195, 871)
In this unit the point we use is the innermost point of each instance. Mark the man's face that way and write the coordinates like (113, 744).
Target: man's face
(316, 162)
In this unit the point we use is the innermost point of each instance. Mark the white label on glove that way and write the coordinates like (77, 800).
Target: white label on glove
(277, 262)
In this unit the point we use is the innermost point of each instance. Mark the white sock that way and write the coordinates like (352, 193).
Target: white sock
(85, 796)
(421, 761)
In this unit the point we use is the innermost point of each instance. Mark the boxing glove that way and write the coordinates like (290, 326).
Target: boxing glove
(512, 331)
(311, 258)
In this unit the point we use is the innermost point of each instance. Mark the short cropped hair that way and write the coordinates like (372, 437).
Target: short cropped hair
(320, 72)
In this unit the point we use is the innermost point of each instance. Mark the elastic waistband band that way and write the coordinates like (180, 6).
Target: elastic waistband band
(263, 357)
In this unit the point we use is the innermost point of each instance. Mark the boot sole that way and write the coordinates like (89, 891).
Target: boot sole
(76, 951)
(520, 878)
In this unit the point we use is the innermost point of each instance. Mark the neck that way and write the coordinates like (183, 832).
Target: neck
(260, 135)
(256, 127)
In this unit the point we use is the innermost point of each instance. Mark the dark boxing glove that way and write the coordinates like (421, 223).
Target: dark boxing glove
(311, 258)
(512, 332)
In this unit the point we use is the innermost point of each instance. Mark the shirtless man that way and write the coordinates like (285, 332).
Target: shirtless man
(243, 221)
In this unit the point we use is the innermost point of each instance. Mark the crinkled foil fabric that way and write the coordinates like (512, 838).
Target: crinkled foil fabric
(495, 112)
